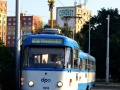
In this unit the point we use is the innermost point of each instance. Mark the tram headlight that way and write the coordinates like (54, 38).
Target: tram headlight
(59, 84)
(31, 83)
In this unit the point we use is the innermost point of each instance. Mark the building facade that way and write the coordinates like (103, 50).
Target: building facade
(28, 25)
(3, 20)
(74, 16)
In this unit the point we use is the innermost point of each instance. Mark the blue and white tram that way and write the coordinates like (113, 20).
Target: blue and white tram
(41, 71)
(87, 73)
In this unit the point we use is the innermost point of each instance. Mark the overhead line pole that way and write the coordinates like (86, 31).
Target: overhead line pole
(17, 43)
(89, 37)
(107, 54)
(69, 17)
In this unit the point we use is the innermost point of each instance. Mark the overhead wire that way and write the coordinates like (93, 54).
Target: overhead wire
(61, 3)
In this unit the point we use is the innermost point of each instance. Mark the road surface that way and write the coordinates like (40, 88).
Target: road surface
(104, 86)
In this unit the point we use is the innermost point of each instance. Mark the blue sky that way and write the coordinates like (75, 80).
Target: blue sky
(41, 8)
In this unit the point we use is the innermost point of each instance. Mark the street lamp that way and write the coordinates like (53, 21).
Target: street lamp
(89, 37)
(51, 4)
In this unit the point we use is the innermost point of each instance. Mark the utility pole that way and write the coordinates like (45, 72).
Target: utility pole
(75, 20)
(51, 5)
(66, 18)
(17, 43)
(107, 54)
(89, 38)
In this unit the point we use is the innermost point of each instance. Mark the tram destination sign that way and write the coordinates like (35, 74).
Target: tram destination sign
(47, 40)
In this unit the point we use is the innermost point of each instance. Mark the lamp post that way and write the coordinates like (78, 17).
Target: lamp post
(107, 54)
(51, 4)
(89, 37)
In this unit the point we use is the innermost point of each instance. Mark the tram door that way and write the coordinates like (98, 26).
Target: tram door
(88, 71)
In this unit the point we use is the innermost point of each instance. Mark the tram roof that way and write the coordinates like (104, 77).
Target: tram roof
(86, 55)
(66, 40)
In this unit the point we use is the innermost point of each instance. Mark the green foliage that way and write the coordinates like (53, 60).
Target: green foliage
(66, 31)
(98, 43)
(46, 26)
(1, 43)
(7, 69)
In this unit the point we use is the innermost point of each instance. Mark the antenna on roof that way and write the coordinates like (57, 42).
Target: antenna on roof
(80, 2)
(75, 3)
(85, 1)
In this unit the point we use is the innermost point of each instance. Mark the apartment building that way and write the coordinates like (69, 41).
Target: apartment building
(3, 19)
(74, 16)
(28, 25)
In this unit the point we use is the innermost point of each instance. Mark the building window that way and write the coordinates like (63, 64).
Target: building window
(24, 23)
(13, 28)
(29, 23)
(81, 22)
(13, 23)
(9, 23)
(24, 28)
(29, 28)
(29, 18)
(88, 18)
(13, 37)
(8, 42)
(9, 33)
(13, 33)
(14, 19)
(24, 18)
(9, 37)
(13, 42)
(80, 11)
(9, 19)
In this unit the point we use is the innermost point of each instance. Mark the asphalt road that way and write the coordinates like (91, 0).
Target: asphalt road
(109, 86)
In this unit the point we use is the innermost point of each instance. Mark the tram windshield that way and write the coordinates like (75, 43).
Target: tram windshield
(40, 57)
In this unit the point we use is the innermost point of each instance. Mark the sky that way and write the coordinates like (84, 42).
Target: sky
(41, 8)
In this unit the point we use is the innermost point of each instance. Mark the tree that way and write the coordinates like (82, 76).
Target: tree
(7, 69)
(66, 30)
(98, 41)
(37, 26)
(1, 43)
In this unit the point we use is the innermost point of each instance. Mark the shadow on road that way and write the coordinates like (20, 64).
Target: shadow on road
(109, 86)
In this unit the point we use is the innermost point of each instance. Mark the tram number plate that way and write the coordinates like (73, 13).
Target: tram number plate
(46, 88)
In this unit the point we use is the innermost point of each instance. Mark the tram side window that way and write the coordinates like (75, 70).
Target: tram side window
(85, 64)
(80, 64)
(68, 58)
(89, 64)
(76, 63)
(93, 65)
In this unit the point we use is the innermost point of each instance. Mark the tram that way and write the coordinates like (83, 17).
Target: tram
(54, 62)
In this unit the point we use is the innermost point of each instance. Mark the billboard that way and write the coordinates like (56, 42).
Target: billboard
(65, 11)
